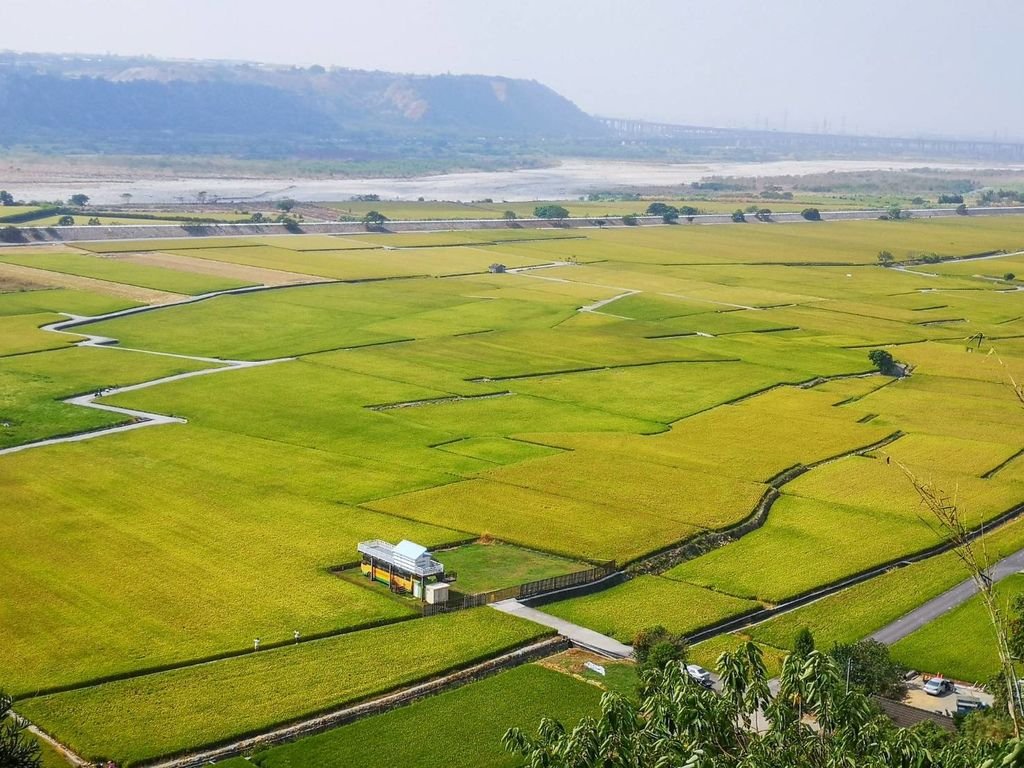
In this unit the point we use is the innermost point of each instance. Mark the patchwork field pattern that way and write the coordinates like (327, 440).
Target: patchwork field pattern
(168, 712)
(628, 391)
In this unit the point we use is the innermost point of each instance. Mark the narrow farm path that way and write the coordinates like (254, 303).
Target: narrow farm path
(910, 271)
(581, 636)
(142, 418)
(946, 602)
(596, 306)
(139, 418)
(72, 757)
(549, 265)
(710, 301)
(988, 257)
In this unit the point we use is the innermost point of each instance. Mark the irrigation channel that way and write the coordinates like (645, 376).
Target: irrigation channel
(657, 562)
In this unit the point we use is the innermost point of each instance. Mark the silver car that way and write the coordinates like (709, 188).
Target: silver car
(938, 686)
(700, 674)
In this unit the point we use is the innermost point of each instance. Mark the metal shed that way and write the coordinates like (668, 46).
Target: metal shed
(404, 567)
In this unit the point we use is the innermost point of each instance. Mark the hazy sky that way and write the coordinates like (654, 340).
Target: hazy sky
(875, 66)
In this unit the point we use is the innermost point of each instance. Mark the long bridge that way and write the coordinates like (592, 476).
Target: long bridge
(704, 137)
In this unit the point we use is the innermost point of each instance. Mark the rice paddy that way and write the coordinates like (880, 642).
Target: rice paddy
(631, 391)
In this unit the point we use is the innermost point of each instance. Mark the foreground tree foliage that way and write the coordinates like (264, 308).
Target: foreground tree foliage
(813, 721)
(16, 749)
(869, 667)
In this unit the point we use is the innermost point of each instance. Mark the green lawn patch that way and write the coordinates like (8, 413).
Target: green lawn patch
(485, 567)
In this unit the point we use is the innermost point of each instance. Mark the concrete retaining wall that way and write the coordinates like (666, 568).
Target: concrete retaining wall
(166, 231)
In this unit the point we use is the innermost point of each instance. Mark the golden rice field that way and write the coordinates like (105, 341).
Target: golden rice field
(628, 391)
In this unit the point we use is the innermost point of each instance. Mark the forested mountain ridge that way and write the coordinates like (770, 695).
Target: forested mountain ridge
(143, 104)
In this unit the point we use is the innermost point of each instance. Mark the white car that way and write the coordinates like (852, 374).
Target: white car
(938, 686)
(700, 674)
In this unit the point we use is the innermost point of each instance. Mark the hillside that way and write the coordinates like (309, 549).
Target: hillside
(144, 105)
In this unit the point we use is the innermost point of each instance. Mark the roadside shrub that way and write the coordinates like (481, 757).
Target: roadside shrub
(663, 654)
(803, 643)
(811, 214)
(656, 646)
(630, 220)
(738, 216)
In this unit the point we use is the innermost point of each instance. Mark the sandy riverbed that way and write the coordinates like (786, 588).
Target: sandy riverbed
(569, 180)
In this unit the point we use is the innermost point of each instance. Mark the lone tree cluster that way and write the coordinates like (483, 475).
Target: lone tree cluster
(884, 362)
(550, 212)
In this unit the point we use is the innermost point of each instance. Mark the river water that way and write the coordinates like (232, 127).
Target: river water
(568, 180)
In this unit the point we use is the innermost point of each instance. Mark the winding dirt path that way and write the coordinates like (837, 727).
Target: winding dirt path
(139, 419)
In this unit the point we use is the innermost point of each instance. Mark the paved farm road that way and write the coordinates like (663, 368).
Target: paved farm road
(946, 602)
(588, 638)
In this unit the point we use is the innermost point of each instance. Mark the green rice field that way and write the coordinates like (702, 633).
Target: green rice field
(960, 644)
(117, 271)
(168, 712)
(628, 392)
(422, 735)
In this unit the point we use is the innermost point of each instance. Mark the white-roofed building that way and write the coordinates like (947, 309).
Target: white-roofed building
(404, 567)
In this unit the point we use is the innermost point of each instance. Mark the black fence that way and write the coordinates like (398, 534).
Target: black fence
(523, 591)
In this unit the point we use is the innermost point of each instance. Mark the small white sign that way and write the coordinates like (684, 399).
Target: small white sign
(595, 667)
